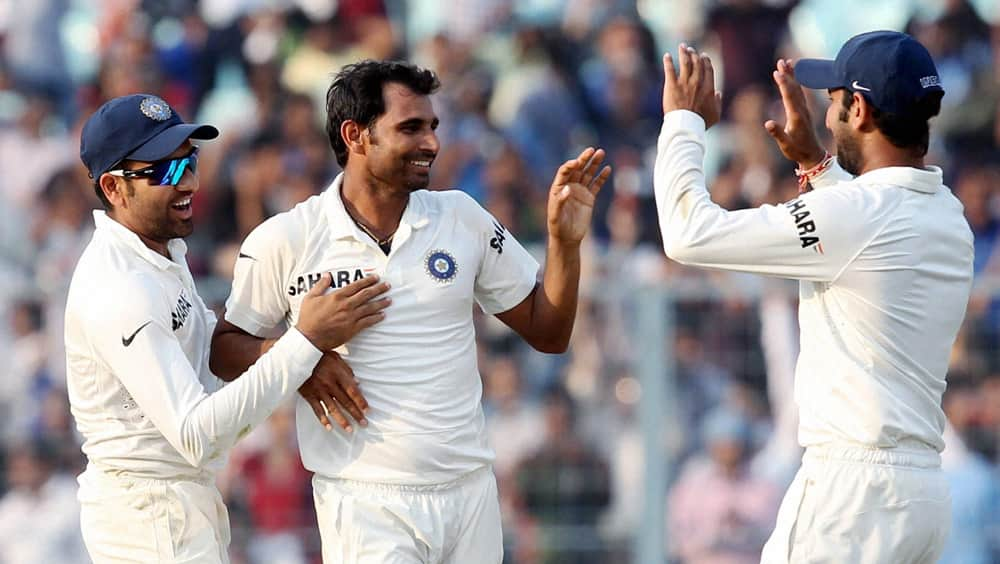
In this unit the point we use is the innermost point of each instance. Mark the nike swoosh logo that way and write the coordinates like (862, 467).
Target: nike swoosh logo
(244, 255)
(857, 86)
(128, 341)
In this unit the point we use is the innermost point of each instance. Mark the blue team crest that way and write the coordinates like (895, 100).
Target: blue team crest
(155, 108)
(441, 266)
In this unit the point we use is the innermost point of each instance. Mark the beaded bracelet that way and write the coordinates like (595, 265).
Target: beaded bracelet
(806, 176)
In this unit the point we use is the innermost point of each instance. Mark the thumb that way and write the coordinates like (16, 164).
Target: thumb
(321, 287)
(776, 131)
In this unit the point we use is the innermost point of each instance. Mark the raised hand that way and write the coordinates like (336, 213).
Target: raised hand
(797, 139)
(572, 195)
(333, 390)
(330, 320)
(693, 88)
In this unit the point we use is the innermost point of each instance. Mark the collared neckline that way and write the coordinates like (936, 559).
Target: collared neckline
(176, 247)
(343, 227)
(927, 180)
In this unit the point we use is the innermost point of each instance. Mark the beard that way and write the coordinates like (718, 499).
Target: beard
(848, 148)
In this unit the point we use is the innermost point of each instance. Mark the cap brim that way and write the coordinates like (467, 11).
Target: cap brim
(817, 74)
(167, 141)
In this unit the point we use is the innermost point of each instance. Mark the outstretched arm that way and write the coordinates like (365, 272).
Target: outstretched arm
(545, 318)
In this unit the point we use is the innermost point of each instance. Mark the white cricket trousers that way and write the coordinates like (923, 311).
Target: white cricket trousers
(370, 523)
(855, 505)
(145, 521)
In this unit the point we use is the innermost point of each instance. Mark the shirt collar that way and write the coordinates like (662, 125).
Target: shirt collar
(177, 247)
(343, 227)
(927, 180)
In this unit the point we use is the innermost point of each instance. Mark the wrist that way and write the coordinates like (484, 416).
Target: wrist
(564, 244)
(813, 159)
(820, 166)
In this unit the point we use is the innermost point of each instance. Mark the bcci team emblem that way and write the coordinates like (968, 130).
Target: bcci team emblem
(441, 266)
(155, 108)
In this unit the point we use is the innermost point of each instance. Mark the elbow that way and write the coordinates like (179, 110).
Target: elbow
(677, 249)
(551, 345)
(218, 366)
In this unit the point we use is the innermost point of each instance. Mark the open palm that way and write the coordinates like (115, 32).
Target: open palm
(572, 195)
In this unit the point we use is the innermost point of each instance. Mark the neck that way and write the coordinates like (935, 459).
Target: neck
(887, 155)
(376, 206)
(154, 244)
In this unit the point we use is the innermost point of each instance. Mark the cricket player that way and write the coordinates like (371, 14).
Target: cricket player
(155, 423)
(884, 258)
(412, 482)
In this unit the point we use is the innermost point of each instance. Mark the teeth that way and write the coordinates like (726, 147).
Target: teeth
(421, 163)
(183, 203)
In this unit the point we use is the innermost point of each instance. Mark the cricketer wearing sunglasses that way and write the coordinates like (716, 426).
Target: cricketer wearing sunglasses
(156, 423)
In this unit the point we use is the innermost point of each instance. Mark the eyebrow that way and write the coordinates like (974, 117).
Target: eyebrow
(418, 122)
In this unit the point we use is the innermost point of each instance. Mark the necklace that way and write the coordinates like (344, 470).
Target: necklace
(383, 243)
(380, 242)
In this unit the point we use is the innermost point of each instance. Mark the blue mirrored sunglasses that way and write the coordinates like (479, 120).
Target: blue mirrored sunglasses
(163, 173)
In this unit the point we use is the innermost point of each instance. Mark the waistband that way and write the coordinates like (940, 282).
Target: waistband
(100, 473)
(360, 486)
(908, 454)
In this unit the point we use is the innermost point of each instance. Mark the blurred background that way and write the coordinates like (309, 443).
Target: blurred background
(667, 432)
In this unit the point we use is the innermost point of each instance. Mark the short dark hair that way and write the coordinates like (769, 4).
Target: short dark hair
(356, 95)
(907, 130)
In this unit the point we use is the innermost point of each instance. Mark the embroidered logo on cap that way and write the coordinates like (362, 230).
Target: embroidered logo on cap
(155, 108)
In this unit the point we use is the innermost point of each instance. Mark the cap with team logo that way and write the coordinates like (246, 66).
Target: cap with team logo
(891, 70)
(140, 127)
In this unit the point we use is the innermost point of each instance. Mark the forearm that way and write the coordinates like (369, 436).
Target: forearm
(556, 299)
(222, 418)
(233, 352)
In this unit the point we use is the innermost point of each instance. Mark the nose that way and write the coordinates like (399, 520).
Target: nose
(430, 143)
(189, 182)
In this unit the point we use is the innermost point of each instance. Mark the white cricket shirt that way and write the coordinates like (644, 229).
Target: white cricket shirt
(885, 268)
(417, 367)
(137, 338)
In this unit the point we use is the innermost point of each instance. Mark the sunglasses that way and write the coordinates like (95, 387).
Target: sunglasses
(163, 173)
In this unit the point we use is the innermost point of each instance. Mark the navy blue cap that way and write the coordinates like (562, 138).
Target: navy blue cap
(890, 69)
(140, 127)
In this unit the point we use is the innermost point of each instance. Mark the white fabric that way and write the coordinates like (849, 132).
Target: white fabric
(133, 520)
(870, 505)
(417, 367)
(152, 408)
(885, 268)
(364, 523)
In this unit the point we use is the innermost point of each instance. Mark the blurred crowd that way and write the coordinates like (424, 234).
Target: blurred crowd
(526, 84)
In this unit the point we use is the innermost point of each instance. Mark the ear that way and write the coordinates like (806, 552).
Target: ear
(351, 133)
(861, 113)
(113, 190)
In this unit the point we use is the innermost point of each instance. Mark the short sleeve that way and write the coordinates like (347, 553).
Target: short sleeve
(507, 273)
(258, 302)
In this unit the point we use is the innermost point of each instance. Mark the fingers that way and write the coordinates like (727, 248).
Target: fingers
(333, 411)
(320, 413)
(708, 72)
(792, 97)
(684, 60)
(596, 158)
(372, 308)
(599, 181)
(365, 295)
(697, 66)
(669, 72)
(564, 174)
(358, 285)
(320, 288)
(776, 131)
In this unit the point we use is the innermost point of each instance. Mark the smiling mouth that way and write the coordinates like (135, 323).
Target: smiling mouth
(421, 164)
(182, 205)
